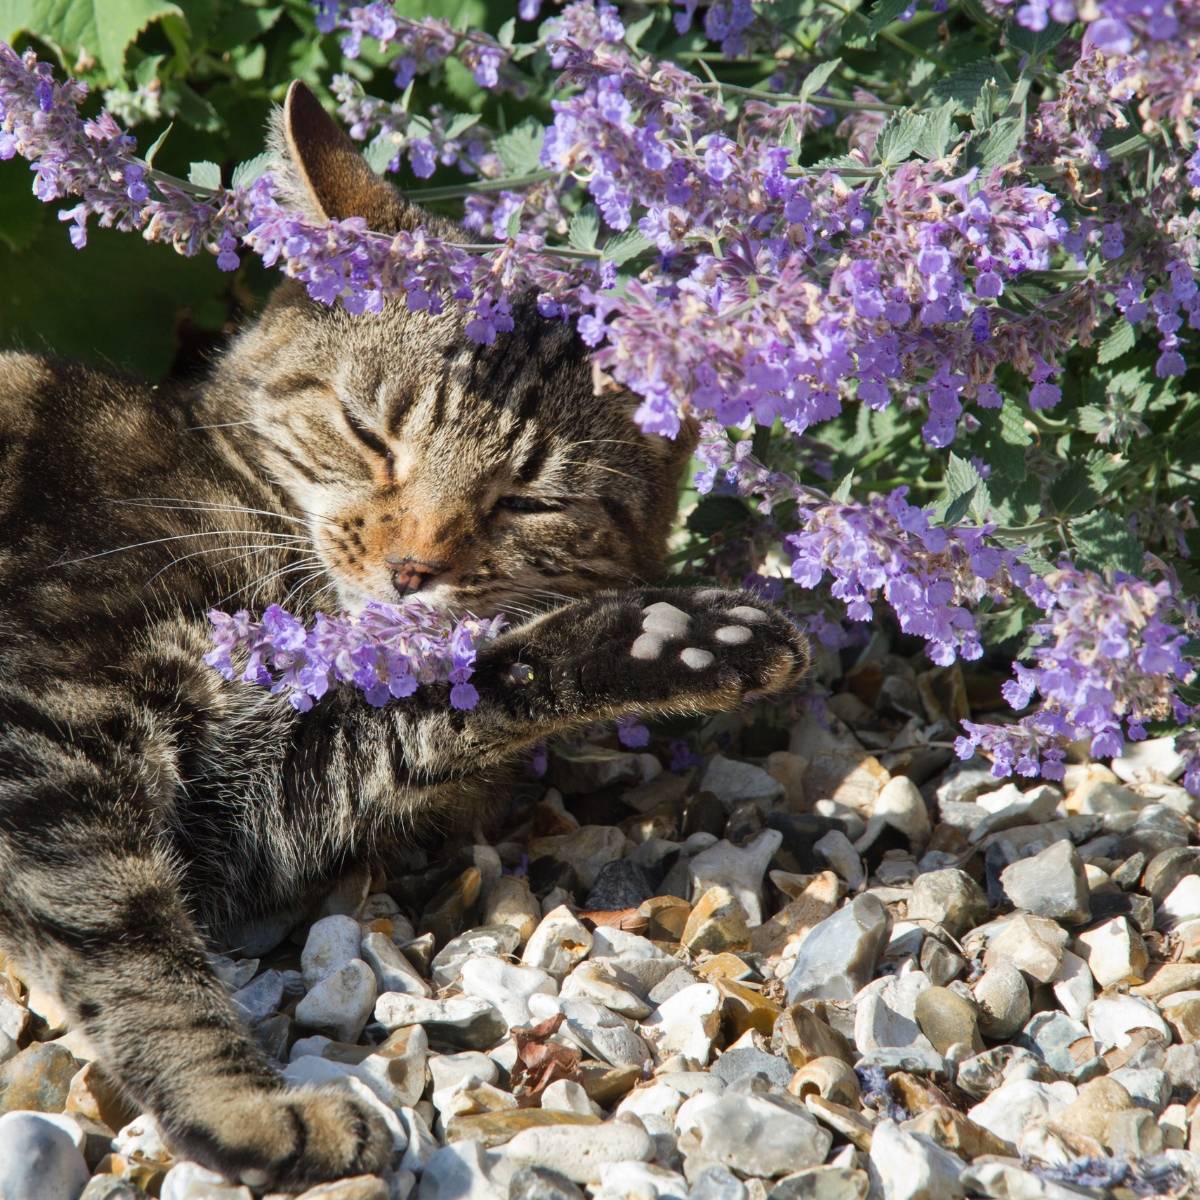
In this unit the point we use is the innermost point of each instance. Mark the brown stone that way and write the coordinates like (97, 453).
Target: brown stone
(793, 921)
(666, 917)
(37, 1079)
(1184, 1019)
(722, 966)
(851, 777)
(1117, 1056)
(853, 1126)
(1167, 978)
(789, 770)
(447, 913)
(146, 1175)
(744, 1008)
(717, 922)
(93, 1095)
(947, 1019)
(496, 1128)
(951, 1130)
(360, 1187)
(1089, 1112)
(917, 1094)
(799, 1036)
(944, 694)
(606, 1085)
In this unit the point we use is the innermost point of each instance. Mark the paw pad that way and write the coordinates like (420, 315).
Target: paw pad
(743, 612)
(695, 658)
(647, 647)
(733, 635)
(665, 620)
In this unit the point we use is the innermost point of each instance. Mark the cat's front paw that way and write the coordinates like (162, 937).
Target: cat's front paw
(663, 651)
(288, 1138)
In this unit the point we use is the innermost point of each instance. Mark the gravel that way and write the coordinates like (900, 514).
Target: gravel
(841, 967)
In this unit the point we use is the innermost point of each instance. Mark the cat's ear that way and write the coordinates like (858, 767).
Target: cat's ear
(330, 174)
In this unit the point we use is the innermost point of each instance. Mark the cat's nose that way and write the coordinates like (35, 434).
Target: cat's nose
(412, 574)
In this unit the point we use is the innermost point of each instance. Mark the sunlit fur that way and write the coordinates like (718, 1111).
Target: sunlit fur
(147, 806)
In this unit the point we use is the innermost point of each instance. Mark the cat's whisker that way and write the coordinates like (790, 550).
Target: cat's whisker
(258, 583)
(251, 548)
(568, 462)
(175, 538)
(182, 504)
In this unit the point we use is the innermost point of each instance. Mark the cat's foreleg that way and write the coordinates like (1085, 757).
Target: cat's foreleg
(91, 907)
(632, 653)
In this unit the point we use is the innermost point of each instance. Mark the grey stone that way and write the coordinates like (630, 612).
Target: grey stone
(717, 1183)
(755, 1135)
(261, 997)
(331, 943)
(619, 884)
(839, 954)
(340, 1001)
(393, 972)
(822, 1183)
(111, 1187)
(949, 898)
(580, 1151)
(459, 1172)
(910, 1166)
(1050, 1035)
(38, 1159)
(1050, 884)
(732, 782)
(1013, 1106)
(538, 1183)
(595, 1030)
(1003, 999)
(740, 1062)
(464, 1021)
(839, 852)
(740, 869)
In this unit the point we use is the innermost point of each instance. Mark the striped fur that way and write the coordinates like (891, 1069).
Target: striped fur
(147, 806)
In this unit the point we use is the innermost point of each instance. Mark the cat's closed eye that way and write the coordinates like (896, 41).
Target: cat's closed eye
(528, 504)
(372, 441)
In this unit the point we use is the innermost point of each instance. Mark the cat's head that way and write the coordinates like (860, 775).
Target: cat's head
(488, 478)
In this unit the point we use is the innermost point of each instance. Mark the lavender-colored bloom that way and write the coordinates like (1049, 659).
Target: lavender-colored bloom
(632, 734)
(385, 651)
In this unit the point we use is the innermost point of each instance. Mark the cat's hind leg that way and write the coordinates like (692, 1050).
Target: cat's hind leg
(90, 906)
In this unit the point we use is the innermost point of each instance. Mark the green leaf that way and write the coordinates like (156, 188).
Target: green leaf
(249, 66)
(241, 25)
(101, 28)
(965, 491)
(818, 77)
(1012, 425)
(1000, 144)
(1102, 540)
(245, 173)
(636, 30)
(717, 514)
(513, 225)
(1036, 43)
(1072, 493)
(156, 145)
(63, 300)
(963, 85)
(182, 101)
(938, 131)
(461, 123)
(621, 247)
(899, 138)
(21, 215)
(1119, 341)
(842, 492)
(884, 13)
(205, 175)
(506, 32)
(379, 153)
(521, 147)
(584, 228)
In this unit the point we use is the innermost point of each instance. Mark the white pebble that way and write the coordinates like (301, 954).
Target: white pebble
(696, 659)
(332, 942)
(38, 1159)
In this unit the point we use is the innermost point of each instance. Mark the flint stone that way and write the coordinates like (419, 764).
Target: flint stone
(1050, 884)
(745, 1061)
(1115, 952)
(393, 972)
(39, 1160)
(910, 1166)
(595, 1030)
(1018, 1103)
(558, 943)
(761, 1136)
(1003, 999)
(822, 1183)
(1111, 1018)
(581, 1152)
(740, 869)
(464, 1021)
(340, 1001)
(685, 1024)
(732, 782)
(332, 942)
(37, 1079)
(838, 956)
(494, 940)
(191, 1181)
(949, 898)
(505, 985)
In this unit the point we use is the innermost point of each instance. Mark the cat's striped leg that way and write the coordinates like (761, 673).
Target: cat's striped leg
(90, 906)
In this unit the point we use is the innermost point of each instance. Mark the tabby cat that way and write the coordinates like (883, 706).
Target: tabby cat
(146, 805)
